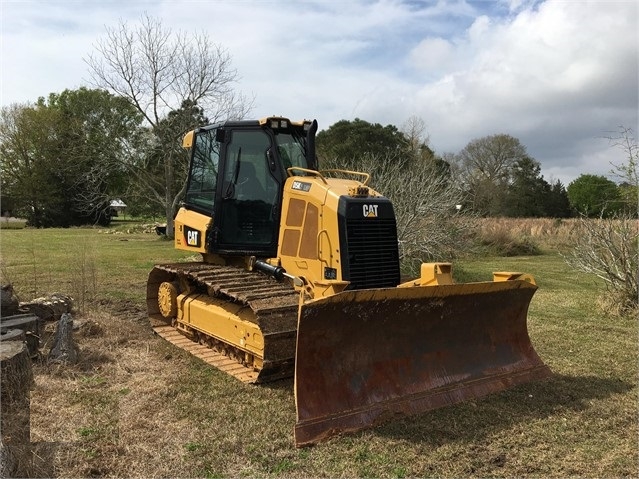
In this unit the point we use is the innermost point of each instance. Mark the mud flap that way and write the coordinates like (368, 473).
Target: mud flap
(366, 356)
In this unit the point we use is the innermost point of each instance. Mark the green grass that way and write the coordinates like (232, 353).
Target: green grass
(150, 409)
(91, 264)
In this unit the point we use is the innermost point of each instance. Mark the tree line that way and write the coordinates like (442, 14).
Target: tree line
(65, 157)
(494, 175)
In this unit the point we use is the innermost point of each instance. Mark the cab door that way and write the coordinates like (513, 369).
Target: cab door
(247, 210)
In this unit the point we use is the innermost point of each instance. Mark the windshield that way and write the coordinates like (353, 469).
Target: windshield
(292, 149)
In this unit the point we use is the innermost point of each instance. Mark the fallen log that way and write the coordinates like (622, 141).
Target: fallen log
(12, 335)
(49, 308)
(7, 462)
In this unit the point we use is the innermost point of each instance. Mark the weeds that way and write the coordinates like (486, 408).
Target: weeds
(34, 266)
(84, 275)
(86, 432)
(136, 406)
(544, 233)
(502, 242)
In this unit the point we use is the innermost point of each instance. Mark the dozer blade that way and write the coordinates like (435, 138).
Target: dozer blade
(366, 356)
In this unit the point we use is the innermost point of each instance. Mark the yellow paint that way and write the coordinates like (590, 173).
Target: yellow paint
(223, 320)
(432, 274)
(187, 141)
(511, 276)
(321, 199)
(196, 221)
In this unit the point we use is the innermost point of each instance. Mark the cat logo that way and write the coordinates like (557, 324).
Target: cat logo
(370, 211)
(192, 237)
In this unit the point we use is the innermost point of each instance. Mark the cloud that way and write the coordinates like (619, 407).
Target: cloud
(558, 75)
(561, 73)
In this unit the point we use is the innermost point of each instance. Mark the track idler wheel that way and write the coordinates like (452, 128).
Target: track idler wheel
(167, 299)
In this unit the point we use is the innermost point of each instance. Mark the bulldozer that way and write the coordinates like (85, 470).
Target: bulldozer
(300, 276)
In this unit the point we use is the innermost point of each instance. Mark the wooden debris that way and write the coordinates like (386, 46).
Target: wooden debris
(10, 303)
(64, 348)
(24, 327)
(16, 382)
(49, 308)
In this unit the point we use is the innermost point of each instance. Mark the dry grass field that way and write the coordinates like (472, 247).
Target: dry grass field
(135, 406)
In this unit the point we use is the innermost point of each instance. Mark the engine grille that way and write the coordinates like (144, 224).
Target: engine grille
(371, 257)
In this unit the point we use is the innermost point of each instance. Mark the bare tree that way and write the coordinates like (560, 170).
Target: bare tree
(607, 247)
(158, 71)
(414, 129)
(628, 171)
(429, 223)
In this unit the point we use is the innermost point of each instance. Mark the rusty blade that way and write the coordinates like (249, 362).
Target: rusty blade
(366, 356)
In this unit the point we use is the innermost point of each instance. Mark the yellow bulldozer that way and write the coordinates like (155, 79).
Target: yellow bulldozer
(300, 275)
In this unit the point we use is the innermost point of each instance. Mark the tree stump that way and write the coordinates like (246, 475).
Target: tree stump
(29, 324)
(16, 382)
(64, 348)
(7, 462)
(13, 335)
(10, 303)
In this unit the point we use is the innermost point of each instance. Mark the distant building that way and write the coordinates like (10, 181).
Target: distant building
(117, 206)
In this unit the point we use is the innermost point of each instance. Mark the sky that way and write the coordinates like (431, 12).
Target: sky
(561, 76)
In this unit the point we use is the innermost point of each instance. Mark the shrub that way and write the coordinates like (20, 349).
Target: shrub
(506, 244)
(506, 237)
(607, 248)
(12, 223)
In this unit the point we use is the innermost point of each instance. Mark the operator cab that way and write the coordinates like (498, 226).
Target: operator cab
(237, 173)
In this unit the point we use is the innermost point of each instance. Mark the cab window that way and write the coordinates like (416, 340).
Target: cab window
(203, 175)
(292, 150)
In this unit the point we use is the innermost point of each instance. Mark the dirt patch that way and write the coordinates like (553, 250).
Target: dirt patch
(123, 309)
(107, 415)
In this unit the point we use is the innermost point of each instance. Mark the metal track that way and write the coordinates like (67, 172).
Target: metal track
(274, 306)
(219, 360)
